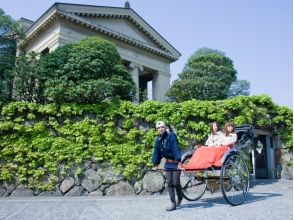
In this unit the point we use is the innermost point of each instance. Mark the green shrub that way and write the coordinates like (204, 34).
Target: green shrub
(208, 75)
(89, 71)
(39, 141)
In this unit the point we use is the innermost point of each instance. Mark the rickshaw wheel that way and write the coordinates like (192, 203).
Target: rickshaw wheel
(234, 179)
(193, 184)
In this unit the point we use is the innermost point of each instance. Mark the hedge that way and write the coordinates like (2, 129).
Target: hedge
(40, 144)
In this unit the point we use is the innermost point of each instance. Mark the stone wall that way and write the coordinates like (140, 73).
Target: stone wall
(102, 180)
(287, 165)
(95, 180)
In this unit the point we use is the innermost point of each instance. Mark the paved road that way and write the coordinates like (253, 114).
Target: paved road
(267, 199)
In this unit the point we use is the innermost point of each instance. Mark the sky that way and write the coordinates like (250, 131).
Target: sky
(256, 35)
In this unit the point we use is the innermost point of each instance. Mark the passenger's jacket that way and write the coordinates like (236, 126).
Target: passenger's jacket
(214, 139)
(166, 147)
(230, 139)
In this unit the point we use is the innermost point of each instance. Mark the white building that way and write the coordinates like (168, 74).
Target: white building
(144, 52)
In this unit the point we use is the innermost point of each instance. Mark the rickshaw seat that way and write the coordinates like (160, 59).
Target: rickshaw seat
(206, 157)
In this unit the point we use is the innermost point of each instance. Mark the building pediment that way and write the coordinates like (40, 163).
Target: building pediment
(124, 28)
(123, 24)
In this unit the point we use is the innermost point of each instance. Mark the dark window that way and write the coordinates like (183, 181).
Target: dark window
(45, 51)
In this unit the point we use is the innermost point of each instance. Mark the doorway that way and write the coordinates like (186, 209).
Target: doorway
(260, 149)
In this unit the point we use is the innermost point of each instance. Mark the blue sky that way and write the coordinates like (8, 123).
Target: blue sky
(256, 34)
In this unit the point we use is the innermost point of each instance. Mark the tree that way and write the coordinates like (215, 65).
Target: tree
(7, 57)
(86, 72)
(10, 30)
(207, 75)
(28, 82)
(239, 87)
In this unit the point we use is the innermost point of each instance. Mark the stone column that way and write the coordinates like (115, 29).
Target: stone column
(135, 71)
(161, 84)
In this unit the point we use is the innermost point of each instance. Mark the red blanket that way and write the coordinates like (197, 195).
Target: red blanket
(205, 157)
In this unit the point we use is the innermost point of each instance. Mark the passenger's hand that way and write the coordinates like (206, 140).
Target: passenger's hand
(180, 167)
(197, 146)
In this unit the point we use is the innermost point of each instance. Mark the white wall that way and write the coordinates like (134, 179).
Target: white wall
(48, 38)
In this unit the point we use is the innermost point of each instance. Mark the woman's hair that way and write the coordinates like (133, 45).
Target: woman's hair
(226, 132)
(211, 126)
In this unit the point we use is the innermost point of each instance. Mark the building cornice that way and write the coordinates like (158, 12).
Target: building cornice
(127, 17)
(114, 34)
(36, 29)
(77, 17)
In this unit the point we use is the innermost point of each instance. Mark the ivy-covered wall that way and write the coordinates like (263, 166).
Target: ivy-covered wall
(50, 140)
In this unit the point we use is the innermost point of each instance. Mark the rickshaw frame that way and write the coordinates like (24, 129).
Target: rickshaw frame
(233, 178)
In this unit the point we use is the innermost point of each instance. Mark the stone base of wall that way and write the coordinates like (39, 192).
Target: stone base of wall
(286, 169)
(94, 181)
(287, 172)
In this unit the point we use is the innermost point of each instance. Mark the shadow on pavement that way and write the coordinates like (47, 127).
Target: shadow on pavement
(205, 203)
(210, 202)
(256, 182)
(255, 197)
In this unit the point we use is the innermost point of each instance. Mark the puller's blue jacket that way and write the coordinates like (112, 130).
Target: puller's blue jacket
(167, 147)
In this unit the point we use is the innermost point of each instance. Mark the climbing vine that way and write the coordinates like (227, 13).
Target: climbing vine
(41, 144)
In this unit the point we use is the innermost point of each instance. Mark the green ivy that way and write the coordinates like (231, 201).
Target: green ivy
(40, 144)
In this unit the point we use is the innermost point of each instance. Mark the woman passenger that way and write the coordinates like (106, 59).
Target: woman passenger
(229, 137)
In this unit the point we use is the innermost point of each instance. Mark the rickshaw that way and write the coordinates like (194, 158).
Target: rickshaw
(232, 177)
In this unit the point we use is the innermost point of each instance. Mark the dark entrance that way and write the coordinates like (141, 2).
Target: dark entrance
(261, 170)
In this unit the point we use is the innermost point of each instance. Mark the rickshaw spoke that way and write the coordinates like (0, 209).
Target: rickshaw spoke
(239, 180)
(193, 188)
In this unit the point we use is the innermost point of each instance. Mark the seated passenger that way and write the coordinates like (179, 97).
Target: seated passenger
(229, 137)
(211, 156)
(215, 137)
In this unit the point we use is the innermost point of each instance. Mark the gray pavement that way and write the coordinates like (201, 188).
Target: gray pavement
(267, 199)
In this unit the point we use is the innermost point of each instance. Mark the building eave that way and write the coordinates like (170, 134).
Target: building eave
(55, 12)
